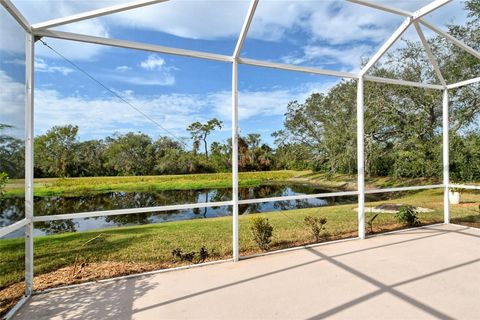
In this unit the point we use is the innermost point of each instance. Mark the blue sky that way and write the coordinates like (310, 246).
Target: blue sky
(176, 91)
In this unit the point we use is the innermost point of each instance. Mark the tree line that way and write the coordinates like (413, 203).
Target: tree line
(59, 153)
(403, 129)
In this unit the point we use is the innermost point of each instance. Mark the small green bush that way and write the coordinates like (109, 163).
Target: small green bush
(408, 216)
(316, 225)
(262, 232)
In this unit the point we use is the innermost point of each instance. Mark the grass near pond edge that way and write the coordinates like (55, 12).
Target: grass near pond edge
(90, 185)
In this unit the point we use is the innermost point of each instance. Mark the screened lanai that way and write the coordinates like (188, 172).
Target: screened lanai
(181, 159)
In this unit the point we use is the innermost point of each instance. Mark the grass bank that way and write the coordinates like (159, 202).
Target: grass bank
(89, 185)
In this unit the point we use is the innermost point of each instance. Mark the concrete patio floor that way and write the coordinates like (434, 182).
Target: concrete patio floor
(426, 273)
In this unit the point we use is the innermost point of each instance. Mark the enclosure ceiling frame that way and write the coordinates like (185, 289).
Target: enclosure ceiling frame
(463, 83)
(387, 45)
(403, 82)
(43, 30)
(17, 15)
(411, 17)
(297, 68)
(246, 26)
(222, 58)
(451, 38)
(94, 14)
(382, 7)
(431, 57)
(404, 13)
(432, 6)
(132, 45)
(401, 30)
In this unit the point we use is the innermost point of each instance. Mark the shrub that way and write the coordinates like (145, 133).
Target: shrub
(408, 216)
(202, 254)
(316, 225)
(262, 232)
(178, 253)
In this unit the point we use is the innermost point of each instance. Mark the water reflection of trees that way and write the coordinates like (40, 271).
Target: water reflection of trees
(122, 200)
(57, 226)
(12, 210)
(128, 219)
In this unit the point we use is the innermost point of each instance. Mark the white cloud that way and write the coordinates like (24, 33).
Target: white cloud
(12, 105)
(123, 68)
(188, 19)
(76, 50)
(324, 57)
(98, 117)
(42, 66)
(18, 62)
(12, 36)
(101, 116)
(325, 23)
(220, 19)
(267, 102)
(153, 62)
(160, 79)
(151, 72)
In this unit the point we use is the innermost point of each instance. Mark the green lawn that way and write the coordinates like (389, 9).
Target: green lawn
(88, 185)
(154, 243)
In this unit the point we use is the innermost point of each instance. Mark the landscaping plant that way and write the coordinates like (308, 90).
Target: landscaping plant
(202, 254)
(408, 216)
(262, 232)
(316, 225)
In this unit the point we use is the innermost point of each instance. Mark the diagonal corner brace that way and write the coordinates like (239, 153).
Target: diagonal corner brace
(429, 8)
(245, 28)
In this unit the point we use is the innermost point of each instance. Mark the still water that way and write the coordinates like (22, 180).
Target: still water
(12, 209)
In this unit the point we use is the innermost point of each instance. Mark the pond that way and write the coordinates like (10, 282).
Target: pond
(13, 207)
